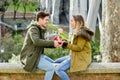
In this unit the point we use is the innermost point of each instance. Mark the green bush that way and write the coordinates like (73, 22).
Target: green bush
(11, 45)
(56, 52)
(95, 50)
(18, 42)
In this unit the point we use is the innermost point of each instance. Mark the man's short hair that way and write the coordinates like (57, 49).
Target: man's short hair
(41, 15)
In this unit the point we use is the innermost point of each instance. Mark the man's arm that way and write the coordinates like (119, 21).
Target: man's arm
(34, 35)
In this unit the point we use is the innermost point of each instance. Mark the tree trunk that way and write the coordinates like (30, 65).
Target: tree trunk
(92, 14)
(110, 39)
(24, 12)
(0, 37)
(2, 16)
(42, 5)
(15, 15)
(83, 8)
(70, 16)
(55, 12)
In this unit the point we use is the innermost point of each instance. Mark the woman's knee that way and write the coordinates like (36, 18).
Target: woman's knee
(57, 69)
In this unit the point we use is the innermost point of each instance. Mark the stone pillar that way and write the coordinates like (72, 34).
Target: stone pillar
(55, 12)
(39, 3)
(67, 7)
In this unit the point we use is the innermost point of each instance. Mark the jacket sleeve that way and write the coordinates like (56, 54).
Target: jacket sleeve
(77, 47)
(34, 35)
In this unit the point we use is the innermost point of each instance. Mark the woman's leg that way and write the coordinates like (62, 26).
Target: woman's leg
(46, 65)
(61, 68)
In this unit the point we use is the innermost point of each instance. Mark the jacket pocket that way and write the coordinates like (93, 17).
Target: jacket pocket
(29, 55)
(29, 58)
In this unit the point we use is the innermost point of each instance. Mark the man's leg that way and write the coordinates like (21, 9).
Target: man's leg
(59, 60)
(61, 68)
(49, 59)
(46, 65)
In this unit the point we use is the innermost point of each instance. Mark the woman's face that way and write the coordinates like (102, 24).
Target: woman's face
(73, 23)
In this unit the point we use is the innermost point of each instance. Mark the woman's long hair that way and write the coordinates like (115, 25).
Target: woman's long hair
(79, 21)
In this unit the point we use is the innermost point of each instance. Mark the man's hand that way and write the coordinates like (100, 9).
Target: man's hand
(57, 41)
(56, 44)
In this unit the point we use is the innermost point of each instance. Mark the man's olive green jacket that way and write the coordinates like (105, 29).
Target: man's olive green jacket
(33, 47)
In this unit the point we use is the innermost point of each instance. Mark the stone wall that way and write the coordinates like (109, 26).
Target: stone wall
(96, 71)
(16, 76)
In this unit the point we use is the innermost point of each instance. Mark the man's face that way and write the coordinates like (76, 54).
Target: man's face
(44, 22)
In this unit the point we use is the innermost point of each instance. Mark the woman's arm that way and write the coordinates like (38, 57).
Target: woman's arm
(77, 47)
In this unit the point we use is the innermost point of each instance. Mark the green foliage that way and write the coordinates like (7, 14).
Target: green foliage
(16, 2)
(56, 53)
(11, 45)
(4, 5)
(31, 6)
(18, 42)
(51, 28)
(95, 49)
(7, 45)
(64, 35)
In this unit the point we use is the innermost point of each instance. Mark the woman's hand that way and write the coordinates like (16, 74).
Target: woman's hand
(64, 44)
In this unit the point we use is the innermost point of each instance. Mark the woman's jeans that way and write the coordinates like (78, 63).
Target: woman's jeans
(46, 64)
(63, 65)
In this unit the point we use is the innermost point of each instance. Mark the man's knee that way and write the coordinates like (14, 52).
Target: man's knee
(57, 68)
(51, 68)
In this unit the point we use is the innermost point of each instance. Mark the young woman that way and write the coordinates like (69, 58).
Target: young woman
(80, 49)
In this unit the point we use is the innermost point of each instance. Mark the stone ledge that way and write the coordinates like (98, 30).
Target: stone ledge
(93, 68)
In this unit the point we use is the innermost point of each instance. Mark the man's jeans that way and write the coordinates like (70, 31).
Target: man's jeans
(63, 65)
(46, 64)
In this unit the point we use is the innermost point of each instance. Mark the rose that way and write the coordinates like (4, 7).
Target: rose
(56, 38)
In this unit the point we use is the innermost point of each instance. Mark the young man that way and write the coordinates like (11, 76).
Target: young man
(32, 53)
